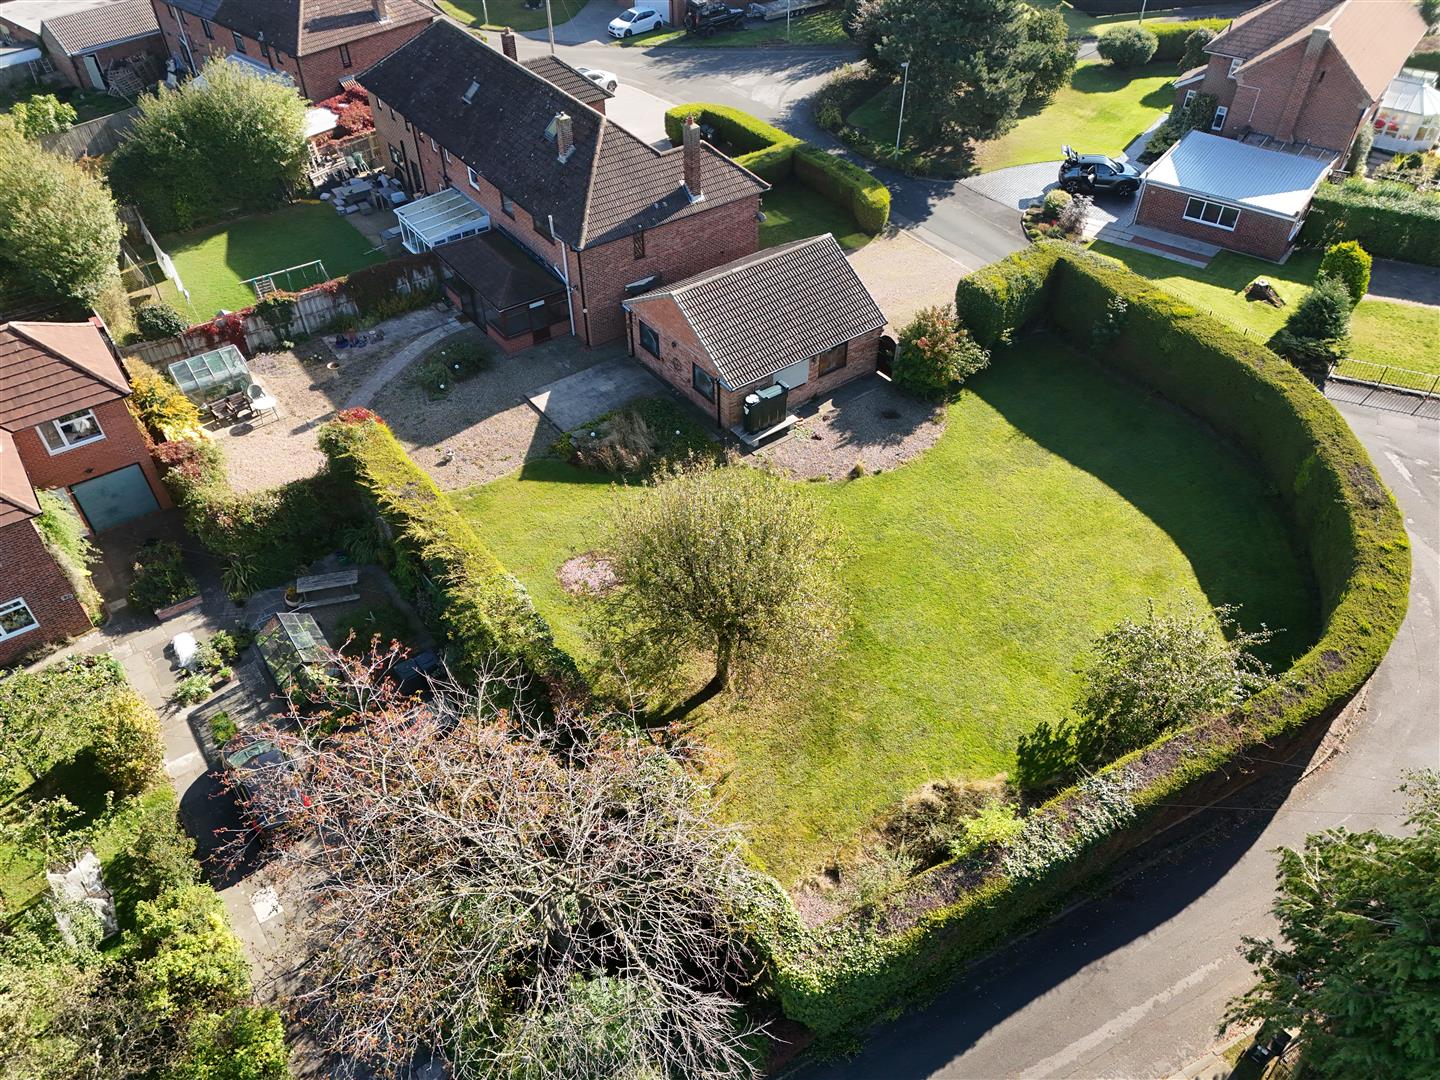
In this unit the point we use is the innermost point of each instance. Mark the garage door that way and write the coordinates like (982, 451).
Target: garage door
(115, 498)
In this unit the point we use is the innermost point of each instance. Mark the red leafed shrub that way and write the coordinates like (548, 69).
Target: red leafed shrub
(352, 107)
(357, 416)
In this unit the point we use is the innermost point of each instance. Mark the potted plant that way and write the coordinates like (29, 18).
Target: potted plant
(161, 584)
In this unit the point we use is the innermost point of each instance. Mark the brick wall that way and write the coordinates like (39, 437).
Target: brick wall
(27, 571)
(680, 349)
(72, 68)
(321, 72)
(674, 251)
(123, 445)
(1255, 233)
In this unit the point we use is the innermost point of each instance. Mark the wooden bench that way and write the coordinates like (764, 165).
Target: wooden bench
(306, 587)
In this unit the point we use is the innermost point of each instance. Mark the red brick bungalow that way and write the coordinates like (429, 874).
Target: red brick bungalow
(63, 424)
(579, 214)
(317, 42)
(777, 328)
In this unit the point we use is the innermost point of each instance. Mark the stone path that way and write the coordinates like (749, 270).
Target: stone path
(399, 362)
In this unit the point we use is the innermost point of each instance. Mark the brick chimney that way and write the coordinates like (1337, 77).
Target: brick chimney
(694, 158)
(507, 44)
(382, 9)
(1304, 82)
(564, 136)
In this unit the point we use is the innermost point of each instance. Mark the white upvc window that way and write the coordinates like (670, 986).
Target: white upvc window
(16, 619)
(1189, 98)
(1208, 213)
(1218, 123)
(474, 179)
(1235, 63)
(68, 432)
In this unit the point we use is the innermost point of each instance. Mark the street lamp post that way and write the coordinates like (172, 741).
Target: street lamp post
(788, 5)
(485, 10)
(550, 24)
(904, 85)
(1142, 12)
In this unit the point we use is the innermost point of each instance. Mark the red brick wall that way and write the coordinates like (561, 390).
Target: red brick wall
(680, 348)
(123, 445)
(72, 68)
(674, 251)
(1215, 82)
(1254, 234)
(28, 572)
(321, 72)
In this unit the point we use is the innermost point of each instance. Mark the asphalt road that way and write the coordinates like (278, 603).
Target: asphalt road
(1133, 984)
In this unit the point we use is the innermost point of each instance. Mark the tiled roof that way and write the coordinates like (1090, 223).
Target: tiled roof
(766, 311)
(554, 70)
(610, 186)
(85, 31)
(1235, 172)
(499, 269)
(17, 496)
(301, 27)
(1255, 31)
(53, 369)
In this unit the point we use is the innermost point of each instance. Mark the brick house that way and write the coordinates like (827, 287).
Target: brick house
(1305, 72)
(579, 214)
(795, 318)
(316, 42)
(99, 46)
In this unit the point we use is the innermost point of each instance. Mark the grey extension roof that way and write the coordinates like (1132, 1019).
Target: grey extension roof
(1270, 181)
(766, 311)
(80, 32)
(611, 186)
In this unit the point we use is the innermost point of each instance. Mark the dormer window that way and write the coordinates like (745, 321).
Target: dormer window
(469, 94)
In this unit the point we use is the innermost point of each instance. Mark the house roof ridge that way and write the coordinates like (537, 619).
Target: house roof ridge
(584, 233)
(734, 266)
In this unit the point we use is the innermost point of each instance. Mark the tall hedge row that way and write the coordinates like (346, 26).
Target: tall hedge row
(464, 592)
(1391, 224)
(775, 155)
(864, 965)
(1172, 36)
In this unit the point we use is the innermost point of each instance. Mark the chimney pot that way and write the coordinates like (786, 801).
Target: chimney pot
(694, 157)
(382, 9)
(507, 44)
(564, 136)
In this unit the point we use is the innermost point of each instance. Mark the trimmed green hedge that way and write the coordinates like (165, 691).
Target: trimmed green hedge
(1387, 221)
(1426, 61)
(1172, 35)
(866, 964)
(775, 155)
(461, 588)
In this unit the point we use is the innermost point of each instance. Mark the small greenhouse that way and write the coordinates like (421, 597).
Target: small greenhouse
(1408, 119)
(212, 374)
(295, 650)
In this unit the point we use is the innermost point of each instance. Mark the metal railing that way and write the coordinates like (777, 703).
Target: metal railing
(1399, 388)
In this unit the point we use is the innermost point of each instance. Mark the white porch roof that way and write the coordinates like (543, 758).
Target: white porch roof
(1231, 171)
(440, 218)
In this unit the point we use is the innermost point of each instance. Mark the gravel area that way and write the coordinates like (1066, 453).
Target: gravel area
(867, 421)
(483, 428)
(268, 451)
(905, 275)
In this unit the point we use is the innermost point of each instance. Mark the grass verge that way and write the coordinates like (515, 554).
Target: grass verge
(826, 27)
(511, 13)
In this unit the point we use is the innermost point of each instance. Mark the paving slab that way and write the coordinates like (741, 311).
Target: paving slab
(577, 399)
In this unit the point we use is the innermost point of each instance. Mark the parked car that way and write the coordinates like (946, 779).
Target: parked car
(635, 20)
(1088, 174)
(260, 767)
(709, 18)
(606, 80)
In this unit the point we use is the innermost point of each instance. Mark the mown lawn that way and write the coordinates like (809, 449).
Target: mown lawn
(1381, 331)
(1089, 26)
(794, 212)
(824, 27)
(1056, 503)
(214, 262)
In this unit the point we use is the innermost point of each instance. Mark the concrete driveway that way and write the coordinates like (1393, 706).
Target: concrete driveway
(609, 385)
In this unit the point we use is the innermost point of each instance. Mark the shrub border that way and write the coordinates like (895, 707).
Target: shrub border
(867, 963)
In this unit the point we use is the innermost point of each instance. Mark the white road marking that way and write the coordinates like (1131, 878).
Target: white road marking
(1402, 470)
(1122, 1023)
(266, 903)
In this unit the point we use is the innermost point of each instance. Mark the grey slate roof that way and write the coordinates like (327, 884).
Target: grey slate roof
(1235, 172)
(302, 27)
(85, 31)
(766, 311)
(554, 70)
(612, 184)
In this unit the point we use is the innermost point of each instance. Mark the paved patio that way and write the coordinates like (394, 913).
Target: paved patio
(577, 399)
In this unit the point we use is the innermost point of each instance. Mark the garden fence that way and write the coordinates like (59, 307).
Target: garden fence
(1385, 386)
(94, 138)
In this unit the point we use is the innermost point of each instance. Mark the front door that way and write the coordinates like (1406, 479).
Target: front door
(115, 498)
(92, 70)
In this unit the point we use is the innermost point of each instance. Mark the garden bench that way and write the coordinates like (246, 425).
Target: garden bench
(308, 587)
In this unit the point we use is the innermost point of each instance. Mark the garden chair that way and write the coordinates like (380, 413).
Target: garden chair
(260, 401)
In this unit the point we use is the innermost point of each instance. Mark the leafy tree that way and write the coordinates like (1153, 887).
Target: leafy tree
(1350, 263)
(1430, 11)
(126, 742)
(50, 715)
(1047, 54)
(730, 562)
(1354, 970)
(1127, 46)
(158, 321)
(1193, 117)
(42, 114)
(223, 140)
(247, 1043)
(1317, 332)
(58, 230)
(1195, 55)
(935, 354)
(973, 63)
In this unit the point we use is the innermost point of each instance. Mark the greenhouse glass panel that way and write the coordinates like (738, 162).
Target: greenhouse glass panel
(292, 644)
(219, 371)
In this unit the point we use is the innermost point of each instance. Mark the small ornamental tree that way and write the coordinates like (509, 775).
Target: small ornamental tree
(1127, 46)
(935, 354)
(158, 321)
(1195, 55)
(1318, 331)
(730, 563)
(1350, 263)
(1353, 969)
(42, 114)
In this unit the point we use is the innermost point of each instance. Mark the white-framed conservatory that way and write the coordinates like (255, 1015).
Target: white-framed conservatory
(1408, 119)
(439, 219)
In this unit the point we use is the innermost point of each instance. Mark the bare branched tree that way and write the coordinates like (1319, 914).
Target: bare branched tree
(530, 904)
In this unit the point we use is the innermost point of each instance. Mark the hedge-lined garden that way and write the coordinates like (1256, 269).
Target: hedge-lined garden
(1389, 220)
(865, 964)
(775, 156)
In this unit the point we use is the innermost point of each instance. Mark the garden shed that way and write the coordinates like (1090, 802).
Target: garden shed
(211, 374)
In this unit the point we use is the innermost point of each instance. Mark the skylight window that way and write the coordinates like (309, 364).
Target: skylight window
(469, 94)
